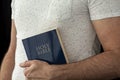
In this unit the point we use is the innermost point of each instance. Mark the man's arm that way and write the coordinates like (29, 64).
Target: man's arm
(102, 66)
(0, 74)
(9, 59)
(99, 67)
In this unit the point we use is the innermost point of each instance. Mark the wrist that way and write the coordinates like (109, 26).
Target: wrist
(60, 72)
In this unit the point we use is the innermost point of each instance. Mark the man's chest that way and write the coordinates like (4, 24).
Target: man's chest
(59, 9)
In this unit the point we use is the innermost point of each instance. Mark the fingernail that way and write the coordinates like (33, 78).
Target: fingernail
(22, 64)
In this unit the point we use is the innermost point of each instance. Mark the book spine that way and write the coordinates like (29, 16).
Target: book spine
(27, 49)
(64, 51)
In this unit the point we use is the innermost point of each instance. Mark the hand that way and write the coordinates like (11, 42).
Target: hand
(37, 70)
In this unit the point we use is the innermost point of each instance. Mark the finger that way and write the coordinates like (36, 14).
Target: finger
(28, 78)
(28, 71)
(25, 64)
(34, 79)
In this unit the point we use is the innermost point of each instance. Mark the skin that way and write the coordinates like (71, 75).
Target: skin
(9, 59)
(0, 73)
(104, 66)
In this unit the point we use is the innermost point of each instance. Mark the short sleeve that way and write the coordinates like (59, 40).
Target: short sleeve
(100, 9)
(13, 9)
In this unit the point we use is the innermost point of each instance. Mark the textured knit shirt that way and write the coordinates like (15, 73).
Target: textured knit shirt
(73, 18)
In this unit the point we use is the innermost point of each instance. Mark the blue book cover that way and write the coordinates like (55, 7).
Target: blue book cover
(47, 47)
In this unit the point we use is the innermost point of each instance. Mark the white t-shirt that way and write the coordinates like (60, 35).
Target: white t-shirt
(72, 18)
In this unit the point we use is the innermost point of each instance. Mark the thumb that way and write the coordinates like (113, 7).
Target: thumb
(25, 64)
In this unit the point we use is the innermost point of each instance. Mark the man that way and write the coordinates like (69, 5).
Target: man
(79, 21)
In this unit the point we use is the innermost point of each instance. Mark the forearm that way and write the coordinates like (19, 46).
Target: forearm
(99, 67)
(0, 74)
(9, 59)
(7, 66)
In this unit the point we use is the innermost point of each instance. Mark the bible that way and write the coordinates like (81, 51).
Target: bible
(47, 47)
